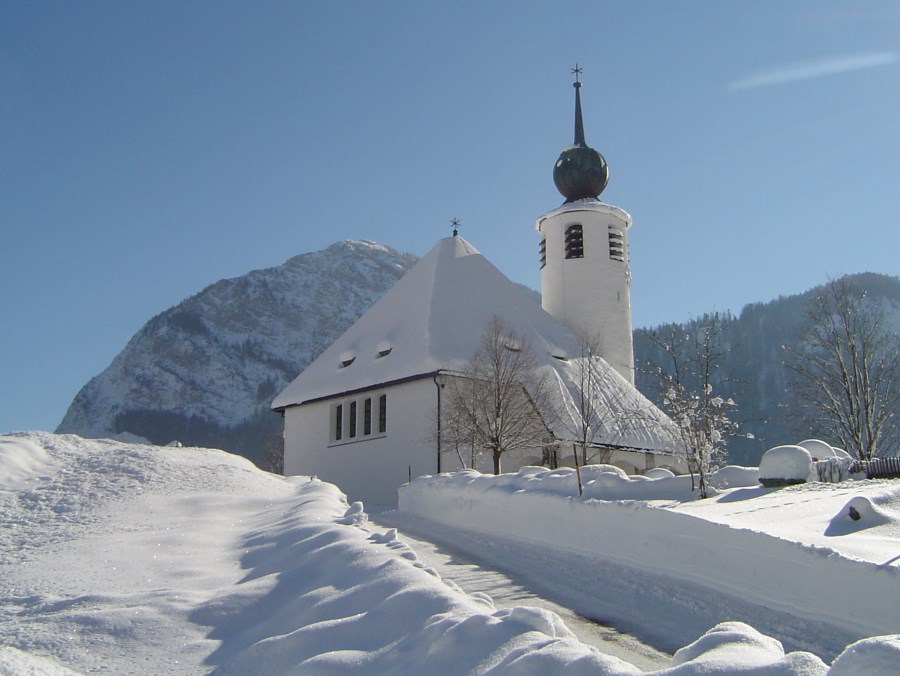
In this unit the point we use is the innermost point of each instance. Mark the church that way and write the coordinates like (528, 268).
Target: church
(366, 413)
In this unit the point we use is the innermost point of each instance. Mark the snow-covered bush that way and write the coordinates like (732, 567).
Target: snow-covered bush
(659, 473)
(785, 465)
(734, 476)
(819, 450)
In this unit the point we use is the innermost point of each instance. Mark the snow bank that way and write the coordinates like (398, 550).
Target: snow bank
(20, 463)
(877, 655)
(122, 558)
(776, 573)
(734, 647)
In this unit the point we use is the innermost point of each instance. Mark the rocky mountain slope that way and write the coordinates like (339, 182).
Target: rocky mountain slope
(205, 371)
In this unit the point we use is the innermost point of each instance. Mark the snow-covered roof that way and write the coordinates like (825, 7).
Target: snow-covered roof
(433, 320)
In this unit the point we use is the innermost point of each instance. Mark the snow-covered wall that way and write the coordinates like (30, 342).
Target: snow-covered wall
(807, 581)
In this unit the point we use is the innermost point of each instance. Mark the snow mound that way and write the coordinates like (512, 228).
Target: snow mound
(876, 656)
(859, 513)
(790, 464)
(659, 473)
(736, 648)
(21, 462)
(820, 450)
(14, 662)
(733, 476)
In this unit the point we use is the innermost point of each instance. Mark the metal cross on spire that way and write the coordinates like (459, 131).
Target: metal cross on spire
(455, 224)
(576, 71)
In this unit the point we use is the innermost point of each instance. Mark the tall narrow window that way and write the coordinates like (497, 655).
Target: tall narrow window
(616, 244)
(352, 419)
(367, 416)
(338, 422)
(574, 241)
(382, 414)
(543, 253)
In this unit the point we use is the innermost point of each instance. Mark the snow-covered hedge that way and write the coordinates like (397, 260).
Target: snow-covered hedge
(784, 465)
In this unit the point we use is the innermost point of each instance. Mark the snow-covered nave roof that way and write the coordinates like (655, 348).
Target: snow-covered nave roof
(433, 320)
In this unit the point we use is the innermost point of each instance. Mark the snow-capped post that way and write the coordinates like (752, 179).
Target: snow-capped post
(846, 366)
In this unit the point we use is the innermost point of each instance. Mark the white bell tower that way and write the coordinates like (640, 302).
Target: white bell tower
(585, 277)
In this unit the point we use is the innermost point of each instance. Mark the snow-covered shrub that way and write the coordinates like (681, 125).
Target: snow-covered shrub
(589, 472)
(659, 473)
(785, 465)
(832, 470)
(819, 450)
(734, 476)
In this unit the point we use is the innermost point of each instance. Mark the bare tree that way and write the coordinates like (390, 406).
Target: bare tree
(701, 418)
(499, 400)
(846, 367)
(587, 377)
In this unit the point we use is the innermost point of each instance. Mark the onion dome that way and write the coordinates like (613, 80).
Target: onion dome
(580, 172)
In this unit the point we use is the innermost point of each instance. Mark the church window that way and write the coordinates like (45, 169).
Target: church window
(574, 241)
(367, 416)
(616, 244)
(338, 422)
(355, 420)
(543, 253)
(382, 414)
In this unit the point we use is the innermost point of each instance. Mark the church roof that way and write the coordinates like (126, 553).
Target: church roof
(433, 319)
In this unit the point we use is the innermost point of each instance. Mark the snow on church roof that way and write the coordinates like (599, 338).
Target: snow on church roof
(433, 319)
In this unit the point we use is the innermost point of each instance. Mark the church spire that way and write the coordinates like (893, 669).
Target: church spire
(580, 172)
(579, 121)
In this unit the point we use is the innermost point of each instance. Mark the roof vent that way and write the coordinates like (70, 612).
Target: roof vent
(383, 349)
(512, 344)
(347, 358)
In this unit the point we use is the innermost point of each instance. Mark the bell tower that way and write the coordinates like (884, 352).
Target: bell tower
(585, 276)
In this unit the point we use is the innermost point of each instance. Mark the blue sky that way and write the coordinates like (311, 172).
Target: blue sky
(149, 149)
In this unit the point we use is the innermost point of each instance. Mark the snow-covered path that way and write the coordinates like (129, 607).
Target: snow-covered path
(474, 575)
(665, 613)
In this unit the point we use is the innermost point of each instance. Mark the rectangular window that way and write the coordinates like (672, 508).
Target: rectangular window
(574, 241)
(338, 422)
(543, 253)
(382, 414)
(367, 416)
(616, 244)
(352, 419)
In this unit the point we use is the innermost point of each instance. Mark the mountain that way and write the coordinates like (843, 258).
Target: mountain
(204, 372)
(752, 369)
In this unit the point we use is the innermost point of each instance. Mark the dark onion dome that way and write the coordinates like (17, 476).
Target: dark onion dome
(580, 171)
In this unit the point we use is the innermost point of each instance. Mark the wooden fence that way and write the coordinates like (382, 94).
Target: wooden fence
(879, 468)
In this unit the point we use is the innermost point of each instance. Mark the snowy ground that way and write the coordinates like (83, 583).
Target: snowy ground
(130, 559)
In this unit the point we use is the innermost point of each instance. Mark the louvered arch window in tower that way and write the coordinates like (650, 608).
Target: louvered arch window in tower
(574, 241)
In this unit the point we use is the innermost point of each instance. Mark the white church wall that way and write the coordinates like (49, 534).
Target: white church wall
(367, 468)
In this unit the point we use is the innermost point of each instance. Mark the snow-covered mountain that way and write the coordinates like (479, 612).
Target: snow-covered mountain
(204, 372)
